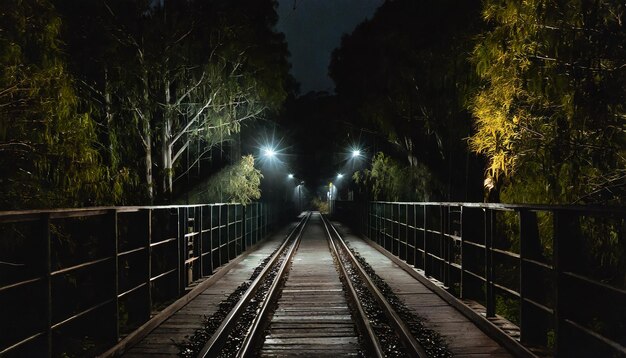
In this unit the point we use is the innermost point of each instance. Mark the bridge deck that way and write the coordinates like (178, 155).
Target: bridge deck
(161, 342)
(463, 337)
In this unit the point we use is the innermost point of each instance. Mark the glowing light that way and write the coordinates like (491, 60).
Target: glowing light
(339, 176)
(269, 152)
(356, 153)
(290, 176)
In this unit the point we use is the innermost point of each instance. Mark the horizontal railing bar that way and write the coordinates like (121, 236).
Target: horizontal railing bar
(506, 253)
(538, 263)
(514, 207)
(454, 237)
(191, 259)
(97, 210)
(153, 244)
(79, 266)
(475, 244)
(128, 252)
(78, 315)
(539, 305)
(475, 275)
(23, 341)
(506, 289)
(21, 283)
(596, 283)
(435, 257)
(131, 290)
(163, 274)
(596, 335)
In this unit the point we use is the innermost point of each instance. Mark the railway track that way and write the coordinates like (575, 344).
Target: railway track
(312, 299)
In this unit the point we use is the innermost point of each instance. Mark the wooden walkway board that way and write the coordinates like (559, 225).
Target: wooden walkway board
(463, 337)
(161, 342)
(312, 318)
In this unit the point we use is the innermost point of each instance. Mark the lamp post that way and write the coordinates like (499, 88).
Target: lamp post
(300, 196)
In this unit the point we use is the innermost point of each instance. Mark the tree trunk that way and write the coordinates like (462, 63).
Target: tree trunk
(147, 136)
(166, 145)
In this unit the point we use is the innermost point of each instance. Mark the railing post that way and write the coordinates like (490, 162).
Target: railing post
(566, 242)
(45, 228)
(180, 237)
(425, 242)
(116, 283)
(243, 228)
(200, 223)
(489, 268)
(148, 214)
(472, 231)
(445, 245)
(532, 325)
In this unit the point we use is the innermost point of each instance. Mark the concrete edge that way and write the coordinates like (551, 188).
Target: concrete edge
(140, 333)
(493, 331)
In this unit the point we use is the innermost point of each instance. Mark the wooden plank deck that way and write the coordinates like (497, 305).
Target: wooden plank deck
(161, 342)
(313, 318)
(463, 337)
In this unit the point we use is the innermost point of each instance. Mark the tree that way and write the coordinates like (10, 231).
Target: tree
(46, 144)
(405, 74)
(236, 183)
(550, 117)
(182, 76)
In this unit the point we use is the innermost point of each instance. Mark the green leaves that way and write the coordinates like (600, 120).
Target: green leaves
(547, 99)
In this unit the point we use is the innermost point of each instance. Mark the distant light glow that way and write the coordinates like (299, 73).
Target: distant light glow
(290, 176)
(339, 176)
(356, 153)
(269, 152)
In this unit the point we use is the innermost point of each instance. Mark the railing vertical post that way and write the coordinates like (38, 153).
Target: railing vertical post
(243, 228)
(180, 237)
(148, 214)
(444, 245)
(116, 281)
(200, 223)
(414, 235)
(45, 228)
(566, 242)
(425, 242)
(532, 325)
(462, 292)
(489, 269)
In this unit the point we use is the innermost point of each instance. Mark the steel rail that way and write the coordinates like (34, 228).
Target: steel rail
(217, 340)
(398, 324)
(364, 322)
(247, 346)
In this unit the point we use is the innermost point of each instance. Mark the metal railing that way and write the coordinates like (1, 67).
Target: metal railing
(557, 272)
(74, 281)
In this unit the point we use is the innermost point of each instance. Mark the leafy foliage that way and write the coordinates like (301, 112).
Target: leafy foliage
(391, 181)
(237, 183)
(47, 146)
(109, 101)
(550, 117)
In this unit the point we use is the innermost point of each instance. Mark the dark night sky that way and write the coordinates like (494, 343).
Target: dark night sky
(313, 30)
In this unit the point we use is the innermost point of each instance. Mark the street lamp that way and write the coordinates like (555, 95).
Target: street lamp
(290, 176)
(356, 153)
(269, 152)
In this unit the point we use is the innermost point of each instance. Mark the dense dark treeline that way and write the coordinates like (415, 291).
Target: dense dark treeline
(109, 102)
(406, 72)
(538, 88)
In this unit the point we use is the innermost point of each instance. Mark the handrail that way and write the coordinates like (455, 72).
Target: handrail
(494, 254)
(108, 269)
